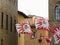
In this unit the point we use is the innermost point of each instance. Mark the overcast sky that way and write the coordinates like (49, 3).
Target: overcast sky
(34, 7)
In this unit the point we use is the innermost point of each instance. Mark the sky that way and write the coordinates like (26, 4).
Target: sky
(34, 7)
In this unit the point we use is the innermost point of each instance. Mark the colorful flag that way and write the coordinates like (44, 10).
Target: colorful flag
(41, 23)
(56, 34)
(45, 24)
(19, 28)
(38, 23)
(23, 28)
(26, 27)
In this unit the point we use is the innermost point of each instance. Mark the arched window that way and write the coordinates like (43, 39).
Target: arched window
(57, 12)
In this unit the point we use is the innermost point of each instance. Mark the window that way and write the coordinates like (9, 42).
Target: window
(1, 41)
(57, 12)
(11, 24)
(6, 22)
(14, 25)
(2, 20)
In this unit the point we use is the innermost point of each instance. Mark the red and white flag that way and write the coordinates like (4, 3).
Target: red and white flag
(19, 28)
(41, 23)
(45, 24)
(23, 28)
(56, 34)
(38, 23)
(26, 27)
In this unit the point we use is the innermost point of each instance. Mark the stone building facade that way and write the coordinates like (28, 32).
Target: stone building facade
(8, 14)
(54, 15)
(27, 39)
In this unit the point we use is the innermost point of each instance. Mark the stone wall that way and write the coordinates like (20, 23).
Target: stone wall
(52, 20)
(8, 7)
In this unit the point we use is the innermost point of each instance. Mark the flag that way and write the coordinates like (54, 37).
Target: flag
(38, 23)
(23, 28)
(45, 24)
(56, 34)
(26, 27)
(41, 23)
(19, 28)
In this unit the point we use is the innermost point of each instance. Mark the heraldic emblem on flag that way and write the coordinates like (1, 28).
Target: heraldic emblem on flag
(26, 27)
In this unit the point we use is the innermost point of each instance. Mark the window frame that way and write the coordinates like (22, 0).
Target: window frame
(11, 24)
(6, 22)
(14, 25)
(57, 14)
(2, 20)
